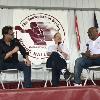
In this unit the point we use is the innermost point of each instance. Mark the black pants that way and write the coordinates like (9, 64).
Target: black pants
(20, 66)
(57, 64)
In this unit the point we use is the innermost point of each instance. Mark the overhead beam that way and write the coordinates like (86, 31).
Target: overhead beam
(49, 8)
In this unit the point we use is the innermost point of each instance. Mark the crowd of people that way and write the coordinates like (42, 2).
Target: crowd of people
(57, 56)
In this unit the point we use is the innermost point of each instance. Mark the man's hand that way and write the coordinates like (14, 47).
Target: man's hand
(65, 55)
(94, 56)
(86, 54)
(59, 49)
(27, 62)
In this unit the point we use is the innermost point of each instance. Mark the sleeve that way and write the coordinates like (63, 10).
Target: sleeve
(49, 49)
(52, 48)
(64, 48)
(2, 54)
(21, 48)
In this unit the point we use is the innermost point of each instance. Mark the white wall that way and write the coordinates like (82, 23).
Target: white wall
(52, 3)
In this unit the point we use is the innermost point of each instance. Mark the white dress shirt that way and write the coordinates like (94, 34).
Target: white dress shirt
(94, 46)
(53, 48)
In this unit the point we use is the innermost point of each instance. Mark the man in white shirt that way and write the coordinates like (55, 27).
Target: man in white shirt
(91, 57)
(58, 55)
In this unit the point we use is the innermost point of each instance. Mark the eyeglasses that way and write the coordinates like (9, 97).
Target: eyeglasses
(12, 34)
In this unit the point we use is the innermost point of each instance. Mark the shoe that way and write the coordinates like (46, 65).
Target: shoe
(68, 76)
(77, 84)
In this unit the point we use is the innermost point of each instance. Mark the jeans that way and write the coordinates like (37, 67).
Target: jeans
(83, 63)
(57, 64)
(22, 67)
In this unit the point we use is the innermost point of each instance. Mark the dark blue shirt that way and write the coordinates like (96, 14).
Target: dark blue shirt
(4, 48)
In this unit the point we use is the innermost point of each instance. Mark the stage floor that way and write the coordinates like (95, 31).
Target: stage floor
(40, 84)
(52, 93)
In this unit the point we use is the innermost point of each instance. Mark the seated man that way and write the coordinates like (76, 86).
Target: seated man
(9, 47)
(57, 55)
(91, 57)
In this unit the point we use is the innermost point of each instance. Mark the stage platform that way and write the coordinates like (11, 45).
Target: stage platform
(52, 93)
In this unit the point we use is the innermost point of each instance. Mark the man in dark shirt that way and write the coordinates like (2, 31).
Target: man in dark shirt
(9, 47)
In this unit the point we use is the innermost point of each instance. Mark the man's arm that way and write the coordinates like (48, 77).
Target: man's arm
(88, 55)
(10, 53)
(23, 52)
(2, 55)
(6, 55)
(27, 61)
(62, 51)
(94, 56)
(21, 48)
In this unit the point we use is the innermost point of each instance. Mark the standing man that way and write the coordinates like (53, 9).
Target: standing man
(91, 57)
(57, 60)
(9, 47)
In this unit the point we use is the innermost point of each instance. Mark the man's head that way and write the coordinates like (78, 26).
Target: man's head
(33, 24)
(92, 33)
(57, 38)
(7, 32)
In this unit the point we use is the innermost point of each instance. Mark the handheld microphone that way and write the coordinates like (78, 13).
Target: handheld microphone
(58, 48)
(87, 46)
(59, 43)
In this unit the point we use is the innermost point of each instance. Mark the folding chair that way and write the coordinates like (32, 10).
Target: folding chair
(68, 67)
(89, 70)
(38, 68)
(49, 70)
(13, 72)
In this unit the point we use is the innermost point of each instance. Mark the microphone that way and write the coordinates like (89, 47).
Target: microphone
(59, 43)
(87, 46)
(58, 46)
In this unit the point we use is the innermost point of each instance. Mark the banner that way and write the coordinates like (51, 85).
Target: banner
(35, 30)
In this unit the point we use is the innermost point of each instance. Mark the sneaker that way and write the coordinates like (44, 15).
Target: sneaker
(77, 84)
(68, 76)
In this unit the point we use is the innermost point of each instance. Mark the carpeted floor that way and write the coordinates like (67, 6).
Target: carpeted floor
(39, 84)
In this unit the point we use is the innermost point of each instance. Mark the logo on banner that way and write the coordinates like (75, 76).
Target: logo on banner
(36, 31)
